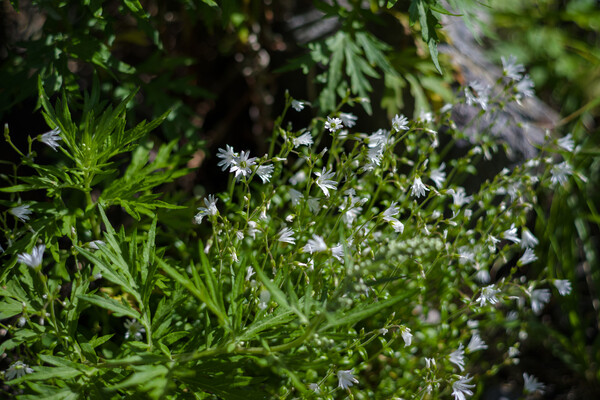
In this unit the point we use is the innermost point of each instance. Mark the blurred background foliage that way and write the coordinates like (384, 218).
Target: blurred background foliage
(222, 69)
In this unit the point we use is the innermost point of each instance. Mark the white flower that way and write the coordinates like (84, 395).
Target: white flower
(476, 343)
(539, 298)
(390, 212)
(346, 379)
(527, 257)
(513, 352)
(52, 138)
(333, 124)
(286, 235)
(488, 295)
(511, 234)
(17, 370)
(528, 239)
(34, 259)
(22, 212)
(314, 205)
(252, 229)
(324, 181)
(135, 329)
(459, 196)
(351, 208)
(430, 362)
(457, 357)
(511, 69)
(249, 273)
(210, 209)
(314, 387)
(563, 286)
(461, 388)
(418, 188)
(95, 244)
(303, 140)
(348, 120)
(241, 165)
(481, 95)
(438, 176)
(525, 88)
(295, 196)
(297, 105)
(264, 298)
(532, 384)
(425, 117)
(315, 245)
(383, 331)
(400, 123)
(298, 177)
(567, 142)
(338, 252)
(406, 336)
(377, 143)
(265, 172)
(560, 173)
(228, 157)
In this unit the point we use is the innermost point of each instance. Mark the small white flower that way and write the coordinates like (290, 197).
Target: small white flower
(51, 138)
(348, 119)
(525, 88)
(264, 298)
(461, 388)
(314, 245)
(241, 165)
(17, 370)
(314, 205)
(511, 234)
(314, 387)
(528, 239)
(438, 176)
(298, 177)
(539, 298)
(511, 69)
(210, 209)
(400, 123)
(297, 105)
(228, 157)
(481, 94)
(430, 362)
(286, 235)
(338, 252)
(96, 244)
(22, 212)
(527, 257)
(563, 286)
(377, 143)
(303, 140)
(333, 124)
(476, 343)
(390, 212)
(351, 208)
(324, 181)
(513, 352)
(567, 142)
(418, 188)
(134, 329)
(34, 259)
(346, 379)
(532, 385)
(488, 295)
(295, 196)
(406, 336)
(249, 273)
(383, 331)
(459, 196)
(560, 173)
(457, 357)
(265, 172)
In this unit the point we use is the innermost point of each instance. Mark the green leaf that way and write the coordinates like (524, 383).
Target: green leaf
(271, 321)
(110, 304)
